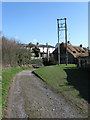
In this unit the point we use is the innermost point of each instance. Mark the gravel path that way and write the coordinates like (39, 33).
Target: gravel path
(31, 97)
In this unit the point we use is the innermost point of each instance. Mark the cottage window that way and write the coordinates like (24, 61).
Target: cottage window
(74, 51)
(83, 52)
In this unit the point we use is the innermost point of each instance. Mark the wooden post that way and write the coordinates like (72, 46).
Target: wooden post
(66, 42)
(58, 43)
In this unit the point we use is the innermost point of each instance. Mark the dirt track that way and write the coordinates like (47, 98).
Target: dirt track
(31, 97)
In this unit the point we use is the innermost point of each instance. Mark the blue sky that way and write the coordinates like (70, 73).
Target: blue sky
(37, 22)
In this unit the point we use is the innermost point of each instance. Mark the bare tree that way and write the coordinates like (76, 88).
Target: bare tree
(14, 54)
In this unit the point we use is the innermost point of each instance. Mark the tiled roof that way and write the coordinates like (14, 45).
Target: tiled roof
(46, 46)
(76, 51)
(33, 45)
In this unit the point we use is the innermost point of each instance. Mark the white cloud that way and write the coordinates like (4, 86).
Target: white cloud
(16, 37)
(35, 40)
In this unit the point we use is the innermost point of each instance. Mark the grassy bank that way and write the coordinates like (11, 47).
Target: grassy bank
(70, 81)
(0, 93)
(7, 77)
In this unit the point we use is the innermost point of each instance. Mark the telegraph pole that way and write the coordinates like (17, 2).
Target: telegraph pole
(58, 43)
(66, 41)
(62, 26)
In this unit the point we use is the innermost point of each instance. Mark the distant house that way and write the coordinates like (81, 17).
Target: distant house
(45, 50)
(23, 46)
(73, 52)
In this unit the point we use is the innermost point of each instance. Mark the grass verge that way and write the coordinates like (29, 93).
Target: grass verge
(7, 77)
(0, 93)
(70, 81)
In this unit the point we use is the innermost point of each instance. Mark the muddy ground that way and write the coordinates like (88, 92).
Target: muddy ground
(31, 97)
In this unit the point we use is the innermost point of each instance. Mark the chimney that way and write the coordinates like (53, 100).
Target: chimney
(37, 44)
(69, 42)
(80, 45)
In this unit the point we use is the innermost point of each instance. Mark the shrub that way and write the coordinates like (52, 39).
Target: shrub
(36, 61)
(14, 53)
(50, 62)
(36, 51)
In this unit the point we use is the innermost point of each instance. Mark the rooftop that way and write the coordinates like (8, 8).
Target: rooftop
(76, 51)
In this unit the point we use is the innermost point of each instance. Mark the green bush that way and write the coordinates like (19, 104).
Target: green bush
(14, 53)
(36, 51)
(50, 62)
(36, 61)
